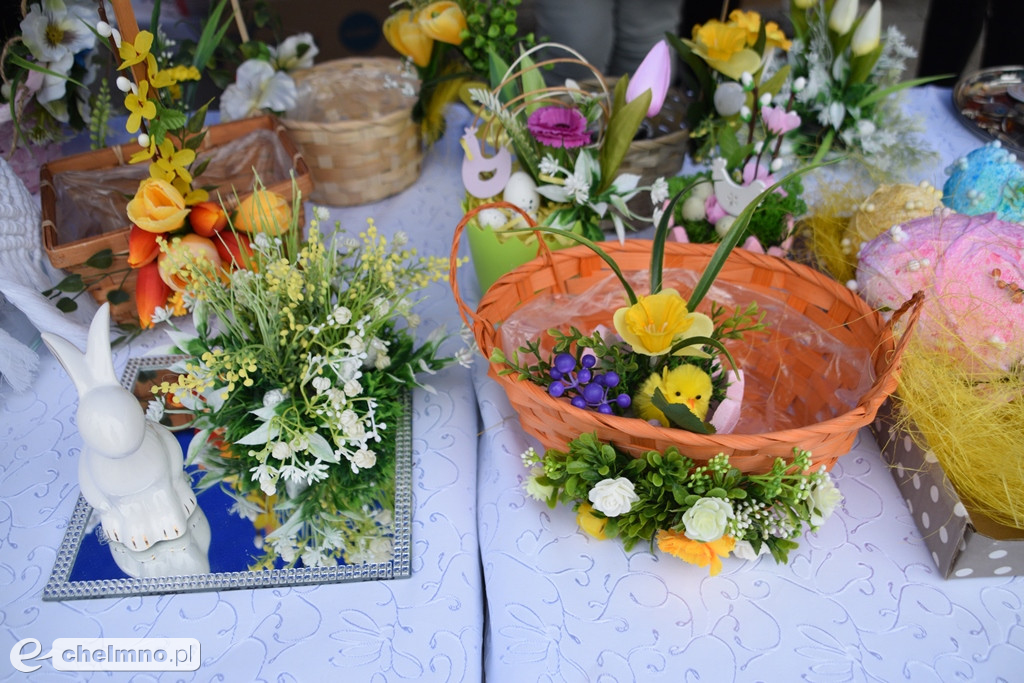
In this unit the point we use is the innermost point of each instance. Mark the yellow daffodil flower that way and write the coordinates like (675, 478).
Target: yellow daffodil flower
(172, 163)
(405, 34)
(724, 48)
(135, 52)
(748, 21)
(657, 321)
(139, 107)
(443, 21)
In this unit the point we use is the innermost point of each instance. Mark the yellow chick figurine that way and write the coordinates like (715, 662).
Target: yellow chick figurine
(686, 384)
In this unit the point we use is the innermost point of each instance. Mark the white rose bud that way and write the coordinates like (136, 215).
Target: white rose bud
(707, 519)
(613, 497)
(823, 499)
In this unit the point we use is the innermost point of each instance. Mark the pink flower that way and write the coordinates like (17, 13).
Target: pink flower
(713, 210)
(653, 74)
(779, 121)
(558, 127)
(755, 171)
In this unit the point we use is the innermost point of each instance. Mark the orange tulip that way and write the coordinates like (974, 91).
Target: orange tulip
(208, 218)
(443, 21)
(183, 256)
(264, 211)
(234, 248)
(143, 247)
(405, 34)
(150, 292)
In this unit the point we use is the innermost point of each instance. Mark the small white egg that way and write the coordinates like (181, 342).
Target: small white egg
(492, 219)
(522, 191)
(693, 208)
(723, 225)
(703, 190)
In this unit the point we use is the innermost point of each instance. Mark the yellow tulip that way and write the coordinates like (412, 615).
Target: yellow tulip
(405, 34)
(157, 206)
(655, 322)
(443, 21)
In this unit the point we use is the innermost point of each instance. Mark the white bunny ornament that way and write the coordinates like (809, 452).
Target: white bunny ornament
(131, 470)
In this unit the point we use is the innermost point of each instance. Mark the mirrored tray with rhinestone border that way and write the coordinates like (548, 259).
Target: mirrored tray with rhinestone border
(84, 567)
(990, 103)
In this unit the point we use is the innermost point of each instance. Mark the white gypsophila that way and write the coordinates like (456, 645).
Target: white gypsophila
(353, 388)
(273, 397)
(321, 384)
(341, 315)
(321, 213)
(286, 548)
(400, 239)
(380, 306)
(659, 191)
(382, 361)
(257, 87)
(286, 55)
(823, 500)
(363, 459)
(281, 450)
(465, 356)
(155, 411)
(707, 520)
(613, 497)
(745, 551)
(316, 471)
(413, 320)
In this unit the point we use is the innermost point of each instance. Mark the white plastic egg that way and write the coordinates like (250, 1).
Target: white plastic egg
(723, 225)
(522, 191)
(492, 219)
(693, 208)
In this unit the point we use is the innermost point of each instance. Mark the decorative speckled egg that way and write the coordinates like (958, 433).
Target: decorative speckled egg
(522, 191)
(492, 219)
(988, 179)
(891, 205)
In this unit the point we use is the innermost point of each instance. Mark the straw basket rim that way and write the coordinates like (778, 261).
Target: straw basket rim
(555, 422)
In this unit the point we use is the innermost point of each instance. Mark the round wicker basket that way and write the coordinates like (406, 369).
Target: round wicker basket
(799, 391)
(354, 127)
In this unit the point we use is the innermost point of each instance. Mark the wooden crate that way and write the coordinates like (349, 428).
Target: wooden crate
(71, 255)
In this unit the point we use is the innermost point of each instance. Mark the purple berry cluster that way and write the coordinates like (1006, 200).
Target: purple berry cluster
(586, 388)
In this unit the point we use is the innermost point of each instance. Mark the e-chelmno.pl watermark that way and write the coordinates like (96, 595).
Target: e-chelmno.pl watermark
(108, 654)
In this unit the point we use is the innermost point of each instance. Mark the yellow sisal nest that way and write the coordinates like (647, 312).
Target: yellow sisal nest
(974, 424)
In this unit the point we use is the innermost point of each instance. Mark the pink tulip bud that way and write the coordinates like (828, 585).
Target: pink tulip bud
(654, 74)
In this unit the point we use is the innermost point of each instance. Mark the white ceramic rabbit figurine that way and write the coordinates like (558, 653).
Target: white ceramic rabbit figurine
(131, 469)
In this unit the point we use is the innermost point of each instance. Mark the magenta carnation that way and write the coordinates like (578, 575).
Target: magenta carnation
(558, 127)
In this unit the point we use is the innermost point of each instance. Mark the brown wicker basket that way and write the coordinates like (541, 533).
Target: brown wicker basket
(829, 304)
(354, 126)
(72, 253)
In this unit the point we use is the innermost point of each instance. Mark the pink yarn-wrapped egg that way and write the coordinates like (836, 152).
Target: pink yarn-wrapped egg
(971, 269)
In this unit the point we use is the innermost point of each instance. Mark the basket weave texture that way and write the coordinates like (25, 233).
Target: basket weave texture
(71, 254)
(829, 304)
(354, 126)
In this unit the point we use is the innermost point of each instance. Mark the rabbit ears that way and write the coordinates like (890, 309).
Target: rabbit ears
(95, 367)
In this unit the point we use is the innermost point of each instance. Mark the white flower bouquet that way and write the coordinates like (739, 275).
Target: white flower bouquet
(296, 382)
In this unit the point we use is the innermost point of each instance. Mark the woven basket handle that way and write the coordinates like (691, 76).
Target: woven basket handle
(453, 260)
(886, 383)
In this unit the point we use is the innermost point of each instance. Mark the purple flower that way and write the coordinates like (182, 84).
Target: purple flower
(779, 121)
(558, 127)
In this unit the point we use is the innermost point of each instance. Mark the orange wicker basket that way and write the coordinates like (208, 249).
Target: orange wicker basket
(800, 389)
